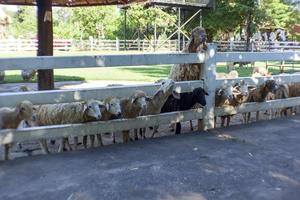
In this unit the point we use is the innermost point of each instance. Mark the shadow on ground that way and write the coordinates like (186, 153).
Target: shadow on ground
(57, 78)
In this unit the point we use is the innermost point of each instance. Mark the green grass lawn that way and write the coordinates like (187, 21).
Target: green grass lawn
(128, 73)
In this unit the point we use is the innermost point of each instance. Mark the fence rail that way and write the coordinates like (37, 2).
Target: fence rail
(210, 83)
(140, 45)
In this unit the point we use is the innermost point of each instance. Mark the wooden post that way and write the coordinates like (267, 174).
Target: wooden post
(209, 76)
(45, 42)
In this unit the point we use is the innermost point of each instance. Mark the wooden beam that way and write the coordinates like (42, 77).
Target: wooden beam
(45, 42)
(57, 62)
(63, 96)
(58, 131)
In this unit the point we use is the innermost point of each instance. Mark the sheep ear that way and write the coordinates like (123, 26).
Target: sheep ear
(176, 95)
(85, 107)
(107, 106)
(133, 100)
(148, 98)
(219, 92)
(205, 93)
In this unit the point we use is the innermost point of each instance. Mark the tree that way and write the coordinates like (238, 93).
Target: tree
(143, 20)
(24, 23)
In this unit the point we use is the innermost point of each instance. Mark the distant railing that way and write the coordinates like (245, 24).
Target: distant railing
(140, 45)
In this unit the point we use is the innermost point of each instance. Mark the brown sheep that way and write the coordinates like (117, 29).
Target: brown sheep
(187, 72)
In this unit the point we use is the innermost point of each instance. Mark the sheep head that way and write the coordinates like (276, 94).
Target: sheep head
(198, 96)
(226, 92)
(198, 39)
(168, 88)
(25, 109)
(92, 109)
(269, 86)
(241, 88)
(113, 106)
(139, 99)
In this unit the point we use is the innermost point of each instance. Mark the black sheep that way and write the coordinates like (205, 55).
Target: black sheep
(187, 101)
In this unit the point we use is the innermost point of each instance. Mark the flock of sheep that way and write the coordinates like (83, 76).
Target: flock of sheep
(165, 99)
(26, 114)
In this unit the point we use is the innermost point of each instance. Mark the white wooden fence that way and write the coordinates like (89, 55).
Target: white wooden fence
(209, 82)
(140, 45)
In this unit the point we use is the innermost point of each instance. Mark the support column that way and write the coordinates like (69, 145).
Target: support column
(125, 29)
(178, 32)
(45, 42)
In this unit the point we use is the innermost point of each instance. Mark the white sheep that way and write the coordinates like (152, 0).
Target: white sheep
(67, 113)
(132, 107)
(112, 111)
(231, 75)
(11, 118)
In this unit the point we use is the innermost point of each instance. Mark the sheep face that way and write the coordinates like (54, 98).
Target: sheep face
(25, 110)
(92, 109)
(168, 86)
(241, 88)
(271, 86)
(114, 107)
(198, 96)
(226, 92)
(199, 38)
(139, 99)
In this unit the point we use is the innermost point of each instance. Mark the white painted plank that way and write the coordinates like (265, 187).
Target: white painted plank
(58, 131)
(63, 96)
(252, 107)
(56, 62)
(257, 56)
(287, 78)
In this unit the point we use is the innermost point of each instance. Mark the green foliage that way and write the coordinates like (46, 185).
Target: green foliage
(98, 22)
(143, 20)
(24, 24)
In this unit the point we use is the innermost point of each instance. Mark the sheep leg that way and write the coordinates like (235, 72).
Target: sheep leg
(228, 120)
(155, 130)
(248, 118)
(200, 127)
(6, 151)
(84, 141)
(215, 122)
(99, 139)
(257, 115)
(67, 144)
(191, 125)
(126, 136)
(92, 139)
(222, 121)
(75, 143)
(44, 147)
(136, 134)
(114, 137)
(178, 128)
(61, 145)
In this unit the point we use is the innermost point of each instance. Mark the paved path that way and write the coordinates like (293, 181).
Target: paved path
(256, 161)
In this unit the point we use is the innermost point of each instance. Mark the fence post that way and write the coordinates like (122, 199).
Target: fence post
(209, 76)
(117, 44)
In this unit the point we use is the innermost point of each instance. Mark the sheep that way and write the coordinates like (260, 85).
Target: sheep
(28, 74)
(281, 93)
(155, 103)
(186, 101)
(223, 96)
(260, 94)
(112, 111)
(240, 95)
(66, 113)
(186, 72)
(132, 107)
(233, 74)
(259, 71)
(12, 117)
(2, 75)
(294, 91)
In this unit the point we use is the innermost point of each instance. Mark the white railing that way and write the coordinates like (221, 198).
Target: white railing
(210, 83)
